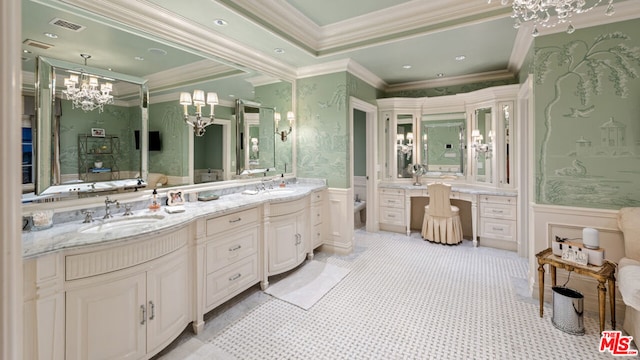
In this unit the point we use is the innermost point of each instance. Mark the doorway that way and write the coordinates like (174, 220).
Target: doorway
(363, 159)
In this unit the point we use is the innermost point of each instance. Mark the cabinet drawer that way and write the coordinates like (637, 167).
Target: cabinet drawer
(397, 192)
(288, 207)
(498, 229)
(392, 216)
(393, 201)
(508, 200)
(231, 280)
(317, 196)
(316, 236)
(222, 251)
(236, 220)
(499, 211)
(316, 214)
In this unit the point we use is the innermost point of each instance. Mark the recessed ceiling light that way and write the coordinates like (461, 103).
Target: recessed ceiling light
(279, 50)
(157, 51)
(460, 57)
(220, 22)
(231, 95)
(139, 58)
(51, 35)
(406, 66)
(440, 74)
(26, 51)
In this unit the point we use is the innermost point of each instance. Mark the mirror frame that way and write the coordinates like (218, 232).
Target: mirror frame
(241, 139)
(487, 130)
(46, 181)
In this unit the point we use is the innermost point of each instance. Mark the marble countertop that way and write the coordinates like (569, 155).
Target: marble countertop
(72, 234)
(463, 188)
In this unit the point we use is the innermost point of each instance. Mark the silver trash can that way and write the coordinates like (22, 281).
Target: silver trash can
(568, 310)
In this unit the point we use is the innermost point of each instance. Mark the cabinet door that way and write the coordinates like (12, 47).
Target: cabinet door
(106, 321)
(167, 301)
(283, 244)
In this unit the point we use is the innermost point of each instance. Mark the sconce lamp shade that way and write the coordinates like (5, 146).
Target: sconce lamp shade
(212, 98)
(198, 97)
(475, 133)
(290, 117)
(185, 98)
(410, 136)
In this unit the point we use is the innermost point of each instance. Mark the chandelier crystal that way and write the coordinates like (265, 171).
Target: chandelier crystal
(86, 92)
(550, 13)
(197, 121)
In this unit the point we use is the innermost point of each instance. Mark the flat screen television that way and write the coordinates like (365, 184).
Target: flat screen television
(155, 143)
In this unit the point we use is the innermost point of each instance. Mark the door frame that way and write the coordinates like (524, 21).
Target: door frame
(371, 112)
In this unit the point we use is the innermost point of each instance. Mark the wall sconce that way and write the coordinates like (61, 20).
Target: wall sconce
(283, 134)
(405, 149)
(197, 122)
(478, 145)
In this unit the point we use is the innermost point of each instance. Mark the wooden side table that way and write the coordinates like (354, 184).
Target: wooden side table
(604, 273)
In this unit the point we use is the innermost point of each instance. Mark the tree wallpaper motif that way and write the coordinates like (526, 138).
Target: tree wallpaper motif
(584, 153)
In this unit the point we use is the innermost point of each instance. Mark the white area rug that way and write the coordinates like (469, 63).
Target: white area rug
(308, 284)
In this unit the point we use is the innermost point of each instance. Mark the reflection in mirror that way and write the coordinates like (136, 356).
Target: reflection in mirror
(506, 113)
(211, 153)
(404, 144)
(482, 143)
(443, 143)
(258, 122)
(83, 150)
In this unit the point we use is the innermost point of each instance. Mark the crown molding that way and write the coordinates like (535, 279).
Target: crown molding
(451, 81)
(347, 65)
(521, 46)
(152, 19)
(412, 18)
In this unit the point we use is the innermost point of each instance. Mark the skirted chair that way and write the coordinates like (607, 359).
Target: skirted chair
(629, 270)
(441, 222)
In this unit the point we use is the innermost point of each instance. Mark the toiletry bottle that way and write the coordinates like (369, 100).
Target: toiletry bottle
(155, 205)
(282, 183)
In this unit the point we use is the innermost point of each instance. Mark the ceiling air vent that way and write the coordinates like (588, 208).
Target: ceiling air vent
(67, 24)
(37, 44)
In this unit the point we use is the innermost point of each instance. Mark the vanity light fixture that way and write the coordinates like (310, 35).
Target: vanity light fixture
(541, 11)
(90, 94)
(197, 122)
(283, 134)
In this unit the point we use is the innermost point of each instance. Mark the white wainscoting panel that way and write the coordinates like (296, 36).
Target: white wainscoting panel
(340, 226)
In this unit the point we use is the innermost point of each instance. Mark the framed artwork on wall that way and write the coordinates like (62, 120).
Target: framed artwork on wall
(97, 132)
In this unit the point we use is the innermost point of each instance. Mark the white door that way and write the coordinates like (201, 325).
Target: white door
(283, 239)
(107, 321)
(167, 300)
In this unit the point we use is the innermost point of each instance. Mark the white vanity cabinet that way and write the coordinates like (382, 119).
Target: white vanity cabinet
(127, 302)
(498, 221)
(317, 215)
(392, 210)
(231, 256)
(288, 236)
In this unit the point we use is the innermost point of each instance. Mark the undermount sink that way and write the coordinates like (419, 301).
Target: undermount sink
(121, 223)
(280, 191)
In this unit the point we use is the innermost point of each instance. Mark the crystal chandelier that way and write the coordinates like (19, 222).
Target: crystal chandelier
(197, 122)
(549, 13)
(86, 92)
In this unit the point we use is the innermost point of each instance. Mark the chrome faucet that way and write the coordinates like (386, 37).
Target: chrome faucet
(107, 210)
(127, 210)
(88, 216)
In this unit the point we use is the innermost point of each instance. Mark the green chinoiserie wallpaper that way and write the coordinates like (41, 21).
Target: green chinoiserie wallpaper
(587, 117)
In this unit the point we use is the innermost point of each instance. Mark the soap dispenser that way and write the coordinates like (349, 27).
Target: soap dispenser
(282, 183)
(155, 205)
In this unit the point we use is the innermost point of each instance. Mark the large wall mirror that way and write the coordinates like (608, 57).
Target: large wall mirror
(80, 145)
(443, 144)
(255, 140)
(404, 145)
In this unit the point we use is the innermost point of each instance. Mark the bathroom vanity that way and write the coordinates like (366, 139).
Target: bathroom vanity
(109, 289)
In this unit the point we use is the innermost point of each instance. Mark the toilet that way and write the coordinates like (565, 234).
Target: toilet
(359, 214)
